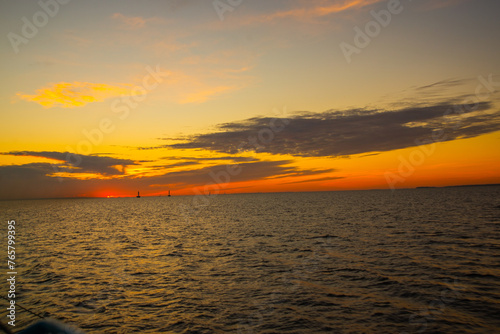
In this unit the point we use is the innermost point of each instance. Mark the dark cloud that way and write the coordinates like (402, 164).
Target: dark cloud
(248, 171)
(35, 180)
(144, 148)
(306, 172)
(182, 164)
(32, 181)
(197, 159)
(333, 133)
(317, 179)
(75, 163)
(445, 84)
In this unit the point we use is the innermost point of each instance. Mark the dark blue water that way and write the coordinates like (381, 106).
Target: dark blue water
(409, 261)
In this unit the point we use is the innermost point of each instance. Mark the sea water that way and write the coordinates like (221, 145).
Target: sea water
(404, 261)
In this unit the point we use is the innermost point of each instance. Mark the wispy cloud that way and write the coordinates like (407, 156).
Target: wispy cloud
(76, 94)
(320, 179)
(316, 9)
(312, 10)
(170, 46)
(200, 85)
(75, 39)
(206, 94)
(134, 22)
(198, 159)
(444, 84)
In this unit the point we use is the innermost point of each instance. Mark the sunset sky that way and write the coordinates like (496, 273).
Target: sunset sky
(104, 98)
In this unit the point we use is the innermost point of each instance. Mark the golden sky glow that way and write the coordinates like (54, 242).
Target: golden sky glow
(255, 97)
(76, 94)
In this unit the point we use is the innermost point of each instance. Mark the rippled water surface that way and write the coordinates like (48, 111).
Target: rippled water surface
(409, 261)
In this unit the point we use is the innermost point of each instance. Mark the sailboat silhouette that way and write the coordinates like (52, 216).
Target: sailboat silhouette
(138, 195)
(169, 193)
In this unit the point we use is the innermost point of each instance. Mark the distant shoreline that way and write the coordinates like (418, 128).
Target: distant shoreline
(460, 186)
(276, 192)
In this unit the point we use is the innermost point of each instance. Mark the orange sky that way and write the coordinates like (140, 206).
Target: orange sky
(258, 97)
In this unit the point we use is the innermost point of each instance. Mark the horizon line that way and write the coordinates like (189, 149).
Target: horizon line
(249, 193)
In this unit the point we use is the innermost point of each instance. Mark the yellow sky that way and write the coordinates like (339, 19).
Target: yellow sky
(160, 96)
